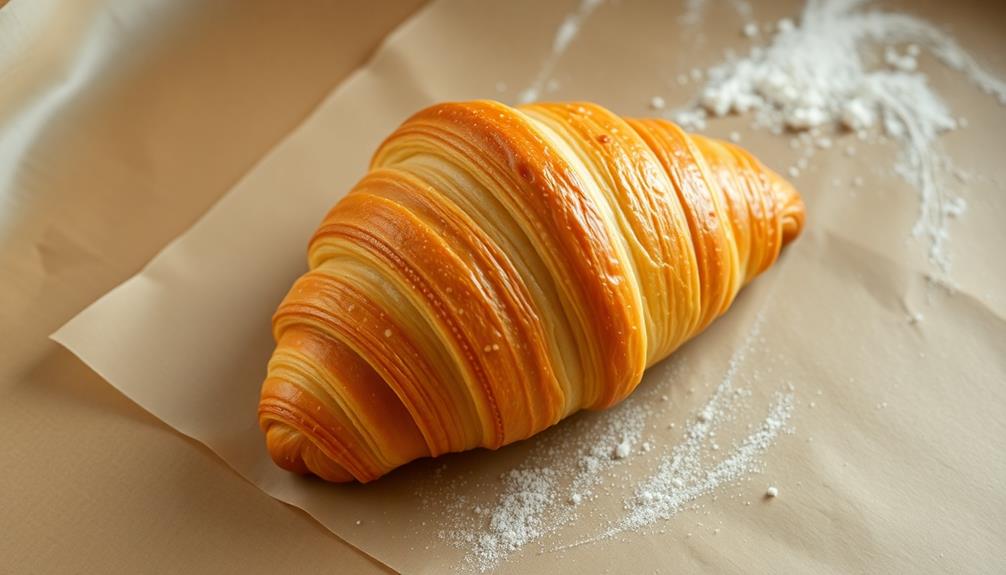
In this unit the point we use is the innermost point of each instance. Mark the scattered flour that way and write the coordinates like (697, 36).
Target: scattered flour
(744, 10)
(821, 74)
(694, 12)
(544, 492)
(568, 31)
(691, 469)
(685, 475)
(623, 449)
(581, 462)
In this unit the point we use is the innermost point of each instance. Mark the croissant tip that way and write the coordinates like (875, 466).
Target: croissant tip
(793, 217)
(792, 223)
(292, 450)
(793, 211)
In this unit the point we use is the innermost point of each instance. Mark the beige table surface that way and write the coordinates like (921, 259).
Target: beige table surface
(90, 482)
(111, 93)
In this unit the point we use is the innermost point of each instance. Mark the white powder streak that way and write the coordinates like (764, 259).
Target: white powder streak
(693, 13)
(683, 476)
(743, 9)
(816, 75)
(687, 473)
(558, 481)
(564, 36)
(542, 494)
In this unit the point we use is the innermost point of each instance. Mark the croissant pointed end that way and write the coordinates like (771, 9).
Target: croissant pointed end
(792, 210)
(292, 451)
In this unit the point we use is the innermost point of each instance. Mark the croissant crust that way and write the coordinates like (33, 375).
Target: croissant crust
(500, 268)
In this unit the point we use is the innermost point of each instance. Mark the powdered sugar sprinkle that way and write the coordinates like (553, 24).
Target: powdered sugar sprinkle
(818, 76)
(564, 36)
(574, 470)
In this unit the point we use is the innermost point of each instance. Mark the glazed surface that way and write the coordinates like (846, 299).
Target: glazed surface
(500, 268)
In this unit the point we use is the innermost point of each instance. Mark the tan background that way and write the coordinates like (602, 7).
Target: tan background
(91, 483)
(98, 485)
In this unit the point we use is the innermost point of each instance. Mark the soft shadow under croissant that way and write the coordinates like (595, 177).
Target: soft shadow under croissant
(500, 268)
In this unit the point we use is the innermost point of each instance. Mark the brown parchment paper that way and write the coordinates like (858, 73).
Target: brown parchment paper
(911, 487)
(121, 122)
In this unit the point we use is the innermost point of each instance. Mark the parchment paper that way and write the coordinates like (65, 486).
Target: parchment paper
(118, 130)
(911, 486)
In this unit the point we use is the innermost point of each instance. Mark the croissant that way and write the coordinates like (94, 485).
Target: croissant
(500, 268)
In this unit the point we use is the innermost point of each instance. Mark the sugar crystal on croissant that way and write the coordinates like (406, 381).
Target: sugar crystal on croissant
(500, 268)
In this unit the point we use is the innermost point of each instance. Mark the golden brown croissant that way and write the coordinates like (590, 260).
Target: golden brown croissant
(501, 268)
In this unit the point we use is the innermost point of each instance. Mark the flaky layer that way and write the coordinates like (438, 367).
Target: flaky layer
(501, 268)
